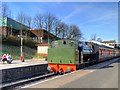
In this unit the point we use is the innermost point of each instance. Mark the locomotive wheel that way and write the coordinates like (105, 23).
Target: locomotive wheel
(56, 72)
(61, 73)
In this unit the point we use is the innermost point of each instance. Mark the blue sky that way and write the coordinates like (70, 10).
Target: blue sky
(100, 18)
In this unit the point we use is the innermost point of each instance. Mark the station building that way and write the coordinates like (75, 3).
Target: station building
(42, 37)
(10, 27)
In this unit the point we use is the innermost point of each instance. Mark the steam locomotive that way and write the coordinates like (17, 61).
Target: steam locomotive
(69, 55)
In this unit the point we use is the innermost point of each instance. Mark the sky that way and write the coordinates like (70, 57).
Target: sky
(100, 18)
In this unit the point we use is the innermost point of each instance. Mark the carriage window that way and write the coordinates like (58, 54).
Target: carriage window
(86, 43)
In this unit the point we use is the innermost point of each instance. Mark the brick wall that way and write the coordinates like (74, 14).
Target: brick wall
(3, 31)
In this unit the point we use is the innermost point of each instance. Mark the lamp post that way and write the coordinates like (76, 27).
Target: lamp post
(22, 55)
(11, 29)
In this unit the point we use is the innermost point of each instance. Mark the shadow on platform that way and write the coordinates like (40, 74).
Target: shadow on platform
(103, 65)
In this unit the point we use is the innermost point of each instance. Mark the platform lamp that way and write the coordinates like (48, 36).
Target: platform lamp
(11, 29)
(21, 55)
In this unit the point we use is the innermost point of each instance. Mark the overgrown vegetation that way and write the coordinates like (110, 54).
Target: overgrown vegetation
(29, 53)
(15, 41)
(11, 45)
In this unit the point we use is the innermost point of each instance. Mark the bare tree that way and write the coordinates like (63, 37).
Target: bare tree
(49, 23)
(62, 30)
(21, 18)
(46, 21)
(5, 12)
(93, 37)
(75, 32)
(57, 29)
(99, 39)
(28, 20)
(39, 21)
(55, 26)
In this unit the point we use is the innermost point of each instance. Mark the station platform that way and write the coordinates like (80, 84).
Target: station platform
(18, 63)
(17, 70)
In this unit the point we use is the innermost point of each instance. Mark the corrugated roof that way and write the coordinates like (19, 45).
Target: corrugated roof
(8, 22)
(111, 41)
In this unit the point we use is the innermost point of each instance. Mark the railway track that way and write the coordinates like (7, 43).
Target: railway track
(19, 84)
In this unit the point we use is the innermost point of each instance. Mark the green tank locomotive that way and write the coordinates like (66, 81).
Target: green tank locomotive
(65, 56)
(68, 55)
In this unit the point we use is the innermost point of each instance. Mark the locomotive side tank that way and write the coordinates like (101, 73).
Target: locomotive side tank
(63, 56)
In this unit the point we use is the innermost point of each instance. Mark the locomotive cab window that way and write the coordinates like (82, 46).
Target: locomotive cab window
(80, 47)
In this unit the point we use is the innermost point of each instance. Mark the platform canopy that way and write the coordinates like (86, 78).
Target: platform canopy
(10, 23)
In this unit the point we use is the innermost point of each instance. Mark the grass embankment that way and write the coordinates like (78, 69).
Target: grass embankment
(11, 45)
(29, 53)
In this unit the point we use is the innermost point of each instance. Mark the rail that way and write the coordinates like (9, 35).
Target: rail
(12, 85)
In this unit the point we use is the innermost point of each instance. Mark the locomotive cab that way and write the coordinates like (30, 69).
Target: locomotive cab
(86, 52)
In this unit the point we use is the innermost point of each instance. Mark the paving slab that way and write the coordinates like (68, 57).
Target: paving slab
(18, 63)
(65, 81)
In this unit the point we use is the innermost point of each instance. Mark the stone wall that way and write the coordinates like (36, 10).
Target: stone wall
(19, 73)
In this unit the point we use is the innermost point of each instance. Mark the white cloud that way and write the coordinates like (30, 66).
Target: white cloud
(70, 15)
(78, 10)
(103, 19)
